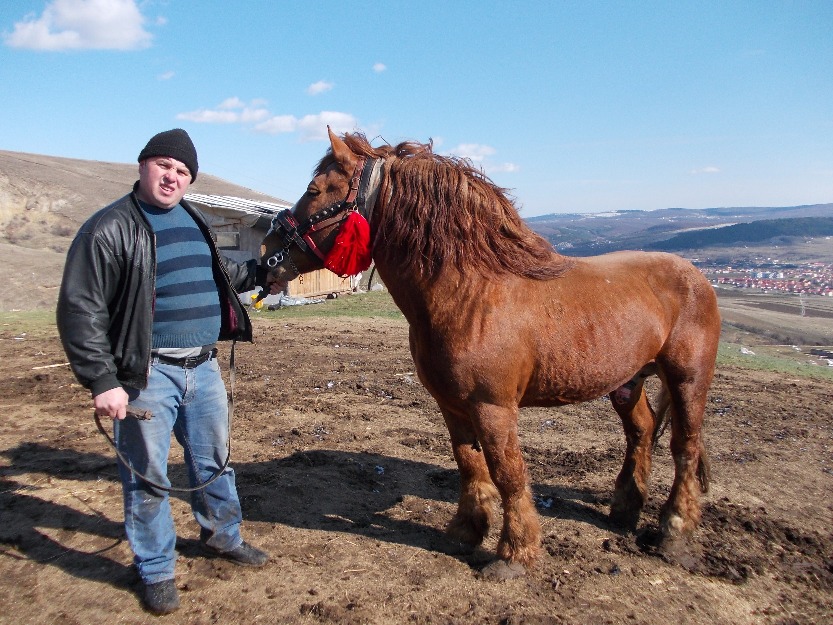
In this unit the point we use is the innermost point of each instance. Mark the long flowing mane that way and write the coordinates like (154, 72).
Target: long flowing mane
(442, 209)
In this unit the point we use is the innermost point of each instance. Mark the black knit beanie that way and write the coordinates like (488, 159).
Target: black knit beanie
(176, 144)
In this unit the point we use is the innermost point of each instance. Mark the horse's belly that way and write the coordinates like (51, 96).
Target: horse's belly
(560, 395)
(584, 377)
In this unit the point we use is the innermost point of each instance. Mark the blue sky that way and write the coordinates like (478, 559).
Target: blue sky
(574, 106)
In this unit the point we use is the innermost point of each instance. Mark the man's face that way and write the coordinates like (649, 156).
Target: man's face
(163, 181)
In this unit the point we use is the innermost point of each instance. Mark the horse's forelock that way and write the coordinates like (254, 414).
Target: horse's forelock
(326, 160)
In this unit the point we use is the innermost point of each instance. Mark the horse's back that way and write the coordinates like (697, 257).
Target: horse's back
(635, 275)
(612, 314)
(679, 296)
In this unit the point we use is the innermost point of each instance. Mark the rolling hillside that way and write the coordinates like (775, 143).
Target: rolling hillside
(781, 231)
(678, 230)
(43, 201)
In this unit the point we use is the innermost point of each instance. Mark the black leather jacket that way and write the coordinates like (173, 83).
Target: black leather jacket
(106, 300)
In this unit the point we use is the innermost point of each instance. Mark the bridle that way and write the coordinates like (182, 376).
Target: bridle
(364, 188)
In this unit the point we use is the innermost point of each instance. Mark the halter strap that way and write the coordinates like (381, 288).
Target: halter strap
(355, 181)
(364, 190)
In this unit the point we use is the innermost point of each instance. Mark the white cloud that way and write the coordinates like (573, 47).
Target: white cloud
(207, 116)
(229, 111)
(475, 152)
(503, 168)
(705, 170)
(255, 114)
(252, 115)
(379, 67)
(319, 87)
(166, 76)
(82, 25)
(310, 127)
(232, 103)
(278, 124)
(314, 127)
(480, 154)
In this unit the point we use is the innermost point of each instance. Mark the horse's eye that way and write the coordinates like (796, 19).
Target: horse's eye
(311, 190)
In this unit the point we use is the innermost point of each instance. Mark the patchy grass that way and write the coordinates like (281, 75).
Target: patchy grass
(32, 323)
(371, 304)
(788, 359)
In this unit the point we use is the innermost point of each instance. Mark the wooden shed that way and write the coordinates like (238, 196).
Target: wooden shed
(241, 224)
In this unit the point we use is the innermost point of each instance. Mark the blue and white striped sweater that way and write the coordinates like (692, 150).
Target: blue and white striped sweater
(187, 308)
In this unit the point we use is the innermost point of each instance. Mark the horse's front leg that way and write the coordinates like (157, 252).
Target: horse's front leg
(478, 496)
(520, 539)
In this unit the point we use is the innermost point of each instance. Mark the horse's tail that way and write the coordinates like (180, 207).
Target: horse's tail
(664, 411)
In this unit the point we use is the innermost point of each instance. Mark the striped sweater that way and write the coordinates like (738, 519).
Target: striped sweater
(187, 305)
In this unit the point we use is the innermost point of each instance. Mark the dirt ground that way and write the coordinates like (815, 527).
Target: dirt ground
(346, 477)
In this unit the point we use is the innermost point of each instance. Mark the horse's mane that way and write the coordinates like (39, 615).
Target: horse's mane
(441, 209)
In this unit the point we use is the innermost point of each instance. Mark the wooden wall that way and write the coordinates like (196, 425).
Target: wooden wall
(318, 283)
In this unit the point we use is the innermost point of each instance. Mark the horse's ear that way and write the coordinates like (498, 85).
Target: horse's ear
(343, 155)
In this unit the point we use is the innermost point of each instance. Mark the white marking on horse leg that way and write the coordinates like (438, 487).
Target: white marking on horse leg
(676, 523)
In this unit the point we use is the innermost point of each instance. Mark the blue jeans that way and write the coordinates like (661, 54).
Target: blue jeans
(193, 404)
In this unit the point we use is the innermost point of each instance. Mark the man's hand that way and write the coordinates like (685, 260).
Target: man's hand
(112, 403)
(268, 283)
(276, 287)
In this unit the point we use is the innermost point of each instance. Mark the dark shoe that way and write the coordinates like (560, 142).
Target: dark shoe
(161, 597)
(244, 555)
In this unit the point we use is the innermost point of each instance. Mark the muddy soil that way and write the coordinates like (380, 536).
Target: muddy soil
(346, 477)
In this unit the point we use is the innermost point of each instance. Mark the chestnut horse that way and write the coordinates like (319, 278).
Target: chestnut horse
(499, 320)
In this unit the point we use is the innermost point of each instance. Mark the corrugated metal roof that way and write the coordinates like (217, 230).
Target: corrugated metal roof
(250, 207)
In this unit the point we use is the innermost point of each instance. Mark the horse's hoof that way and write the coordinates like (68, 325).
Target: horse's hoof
(624, 518)
(451, 547)
(681, 551)
(501, 570)
(466, 531)
(626, 507)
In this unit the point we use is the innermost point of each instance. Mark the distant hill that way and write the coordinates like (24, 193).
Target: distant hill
(780, 230)
(678, 229)
(44, 200)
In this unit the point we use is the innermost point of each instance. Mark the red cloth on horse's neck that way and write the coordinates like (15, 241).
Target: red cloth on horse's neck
(351, 252)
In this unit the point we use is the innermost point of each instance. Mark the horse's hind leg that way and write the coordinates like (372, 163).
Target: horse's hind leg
(680, 515)
(478, 496)
(639, 422)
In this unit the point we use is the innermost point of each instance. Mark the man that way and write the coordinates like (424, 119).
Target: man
(144, 298)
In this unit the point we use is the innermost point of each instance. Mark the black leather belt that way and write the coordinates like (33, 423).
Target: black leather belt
(187, 363)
